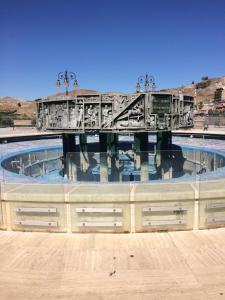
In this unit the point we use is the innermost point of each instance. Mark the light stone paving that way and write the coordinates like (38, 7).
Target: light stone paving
(175, 265)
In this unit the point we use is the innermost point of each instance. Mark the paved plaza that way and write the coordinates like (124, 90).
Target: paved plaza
(175, 265)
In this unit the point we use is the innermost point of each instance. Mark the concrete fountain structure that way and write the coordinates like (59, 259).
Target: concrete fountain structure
(111, 204)
(108, 116)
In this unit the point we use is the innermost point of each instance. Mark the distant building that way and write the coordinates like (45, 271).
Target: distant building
(219, 94)
(204, 110)
(220, 107)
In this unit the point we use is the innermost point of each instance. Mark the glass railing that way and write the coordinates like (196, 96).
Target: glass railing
(95, 191)
(127, 166)
(121, 166)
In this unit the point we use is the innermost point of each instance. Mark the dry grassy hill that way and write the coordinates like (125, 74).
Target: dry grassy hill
(205, 89)
(28, 108)
(76, 92)
(21, 106)
(205, 92)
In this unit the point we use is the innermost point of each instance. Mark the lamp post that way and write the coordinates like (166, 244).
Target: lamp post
(64, 79)
(146, 80)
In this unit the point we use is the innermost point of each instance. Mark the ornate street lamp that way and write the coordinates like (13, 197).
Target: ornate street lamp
(146, 80)
(64, 79)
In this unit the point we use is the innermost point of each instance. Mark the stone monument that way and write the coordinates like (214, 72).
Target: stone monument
(110, 114)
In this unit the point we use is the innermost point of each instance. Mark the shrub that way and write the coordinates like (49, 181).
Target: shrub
(6, 121)
(33, 122)
(200, 106)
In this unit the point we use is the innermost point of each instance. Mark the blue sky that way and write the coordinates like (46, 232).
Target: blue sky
(108, 44)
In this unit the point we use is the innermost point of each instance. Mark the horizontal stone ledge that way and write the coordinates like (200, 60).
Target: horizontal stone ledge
(34, 197)
(164, 209)
(163, 222)
(98, 210)
(219, 219)
(35, 210)
(215, 206)
(100, 224)
(37, 223)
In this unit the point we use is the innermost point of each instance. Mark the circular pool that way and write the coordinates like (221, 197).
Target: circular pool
(42, 161)
(35, 196)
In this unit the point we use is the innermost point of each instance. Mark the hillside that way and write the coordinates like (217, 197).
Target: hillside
(20, 105)
(28, 108)
(205, 89)
(76, 92)
(205, 92)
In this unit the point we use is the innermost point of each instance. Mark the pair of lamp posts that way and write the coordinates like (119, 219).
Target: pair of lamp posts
(145, 83)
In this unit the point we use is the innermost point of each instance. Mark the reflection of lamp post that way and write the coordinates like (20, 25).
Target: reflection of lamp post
(64, 79)
(195, 98)
(146, 80)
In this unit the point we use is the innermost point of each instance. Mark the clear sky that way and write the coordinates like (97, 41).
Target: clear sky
(108, 44)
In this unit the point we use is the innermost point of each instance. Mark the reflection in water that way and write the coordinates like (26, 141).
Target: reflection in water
(125, 165)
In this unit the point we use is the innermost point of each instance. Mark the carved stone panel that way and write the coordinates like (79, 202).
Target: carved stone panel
(115, 112)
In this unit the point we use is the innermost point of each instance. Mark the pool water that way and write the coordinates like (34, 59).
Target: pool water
(190, 146)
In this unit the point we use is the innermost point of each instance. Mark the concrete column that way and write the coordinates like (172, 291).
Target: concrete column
(112, 153)
(70, 164)
(141, 154)
(84, 161)
(163, 154)
(109, 156)
(103, 157)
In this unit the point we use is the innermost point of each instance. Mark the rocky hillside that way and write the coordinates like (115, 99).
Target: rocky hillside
(26, 108)
(21, 106)
(205, 89)
(76, 92)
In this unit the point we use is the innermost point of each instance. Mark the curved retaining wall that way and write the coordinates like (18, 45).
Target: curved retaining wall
(112, 207)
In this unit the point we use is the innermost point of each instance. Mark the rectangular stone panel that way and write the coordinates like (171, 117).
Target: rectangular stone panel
(100, 216)
(100, 193)
(211, 213)
(164, 215)
(36, 192)
(35, 216)
(212, 189)
(164, 191)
